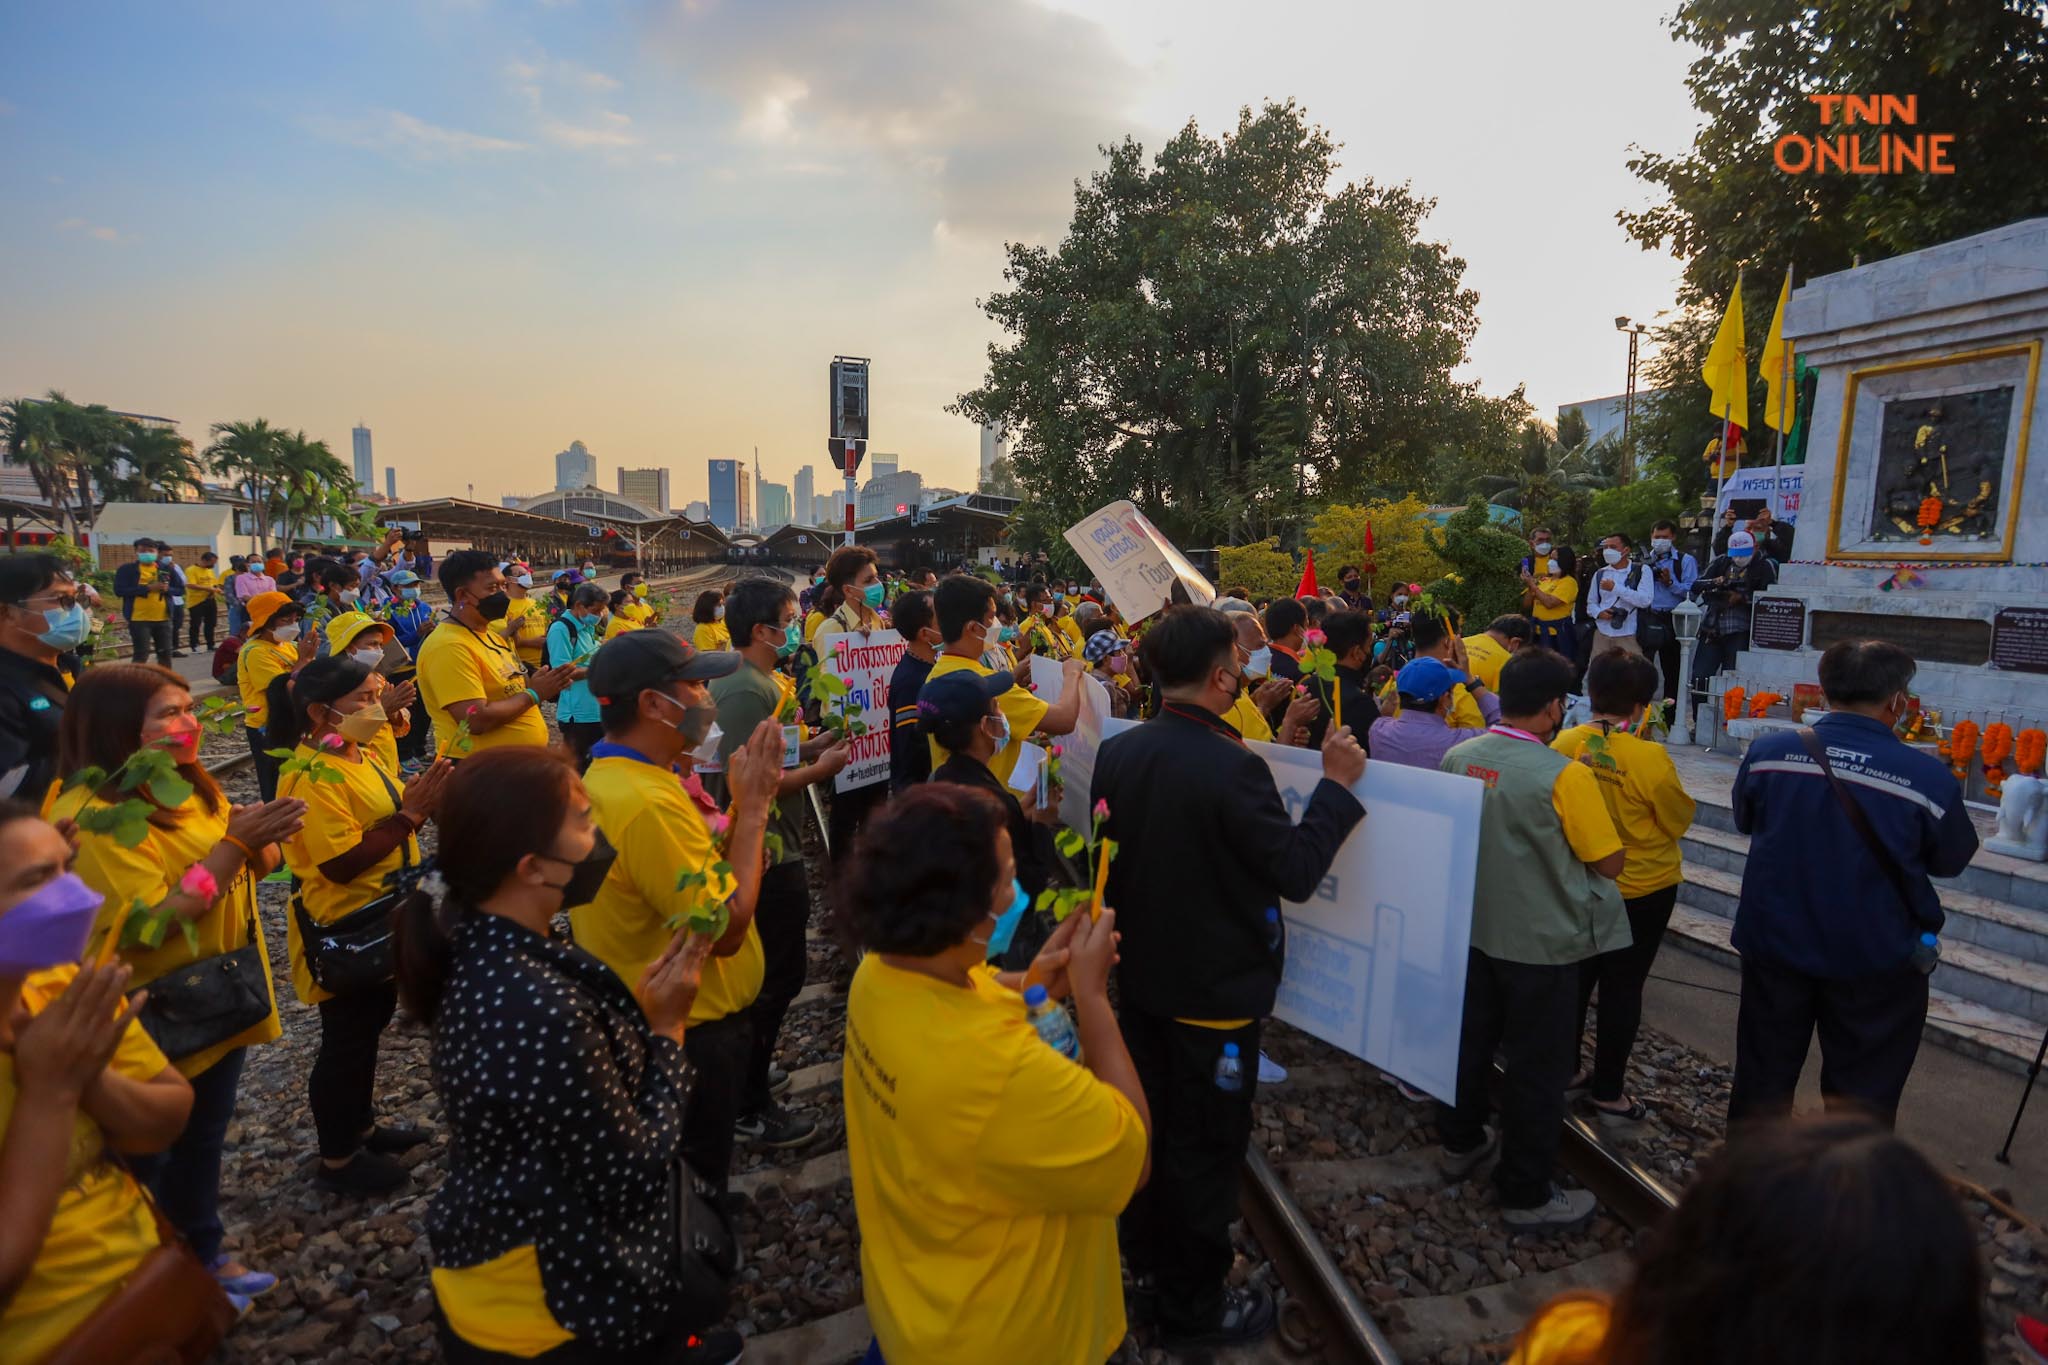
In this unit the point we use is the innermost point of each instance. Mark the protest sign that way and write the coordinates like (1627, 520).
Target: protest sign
(1077, 750)
(863, 662)
(1136, 565)
(1783, 487)
(1376, 958)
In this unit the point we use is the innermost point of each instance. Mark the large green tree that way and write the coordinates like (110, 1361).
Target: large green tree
(151, 464)
(1228, 339)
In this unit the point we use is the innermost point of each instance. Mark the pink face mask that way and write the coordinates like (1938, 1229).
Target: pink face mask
(1118, 663)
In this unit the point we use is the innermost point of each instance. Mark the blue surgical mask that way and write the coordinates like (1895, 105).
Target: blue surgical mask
(69, 626)
(1261, 664)
(1002, 740)
(1006, 923)
(410, 594)
(875, 594)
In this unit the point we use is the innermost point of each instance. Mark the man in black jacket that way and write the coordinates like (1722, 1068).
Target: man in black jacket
(41, 622)
(1206, 848)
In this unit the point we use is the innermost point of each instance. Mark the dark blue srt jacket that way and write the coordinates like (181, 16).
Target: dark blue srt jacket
(1814, 898)
(128, 587)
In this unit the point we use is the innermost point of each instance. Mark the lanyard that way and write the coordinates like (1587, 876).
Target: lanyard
(1512, 733)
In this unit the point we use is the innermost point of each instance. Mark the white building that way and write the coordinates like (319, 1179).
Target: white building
(996, 444)
(1603, 415)
(365, 470)
(575, 467)
(698, 511)
(805, 495)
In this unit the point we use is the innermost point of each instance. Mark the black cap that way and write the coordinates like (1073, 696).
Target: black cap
(641, 659)
(959, 698)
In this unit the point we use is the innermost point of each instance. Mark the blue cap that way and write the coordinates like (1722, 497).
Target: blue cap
(1034, 996)
(1425, 679)
(959, 698)
(1230, 1049)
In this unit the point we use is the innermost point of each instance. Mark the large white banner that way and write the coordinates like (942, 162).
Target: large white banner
(1077, 750)
(1135, 564)
(1376, 958)
(1763, 482)
(863, 663)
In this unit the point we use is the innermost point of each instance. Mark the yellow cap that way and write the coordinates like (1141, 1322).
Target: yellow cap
(343, 628)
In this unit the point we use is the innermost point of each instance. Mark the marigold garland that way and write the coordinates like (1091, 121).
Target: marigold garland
(1761, 704)
(1962, 744)
(1930, 517)
(1997, 748)
(1731, 703)
(2030, 751)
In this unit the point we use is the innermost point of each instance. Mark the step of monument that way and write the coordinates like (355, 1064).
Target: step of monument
(1969, 970)
(1988, 1035)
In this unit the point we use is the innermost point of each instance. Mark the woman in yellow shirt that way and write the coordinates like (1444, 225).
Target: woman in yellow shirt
(853, 593)
(270, 651)
(562, 1084)
(525, 622)
(1041, 635)
(709, 615)
(360, 835)
(79, 1079)
(1548, 593)
(621, 622)
(988, 1168)
(116, 710)
(1652, 812)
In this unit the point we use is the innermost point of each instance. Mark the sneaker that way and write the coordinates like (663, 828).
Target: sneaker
(778, 1080)
(774, 1126)
(1247, 1317)
(246, 1285)
(1457, 1165)
(1564, 1209)
(393, 1138)
(2031, 1336)
(1270, 1071)
(241, 1303)
(366, 1175)
(712, 1348)
(1636, 1112)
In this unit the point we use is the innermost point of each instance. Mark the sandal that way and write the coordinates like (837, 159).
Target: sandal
(1636, 1112)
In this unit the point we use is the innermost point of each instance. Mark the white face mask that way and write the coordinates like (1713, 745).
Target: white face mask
(1660, 546)
(1550, 567)
(707, 752)
(718, 612)
(284, 635)
(372, 656)
(348, 596)
(1261, 663)
(524, 580)
(1400, 599)
(1611, 555)
(1542, 547)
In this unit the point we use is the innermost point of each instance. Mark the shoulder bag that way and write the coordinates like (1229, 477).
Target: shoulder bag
(707, 1253)
(354, 952)
(209, 1001)
(1887, 861)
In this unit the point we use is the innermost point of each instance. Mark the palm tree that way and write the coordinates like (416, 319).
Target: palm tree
(1546, 471)
(311, 482)
(248, 454)
(64, 445)
(153, 465)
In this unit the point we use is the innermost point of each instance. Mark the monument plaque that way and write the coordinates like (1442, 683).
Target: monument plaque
(1929, 639)
(1777, 623)
(2019, 639)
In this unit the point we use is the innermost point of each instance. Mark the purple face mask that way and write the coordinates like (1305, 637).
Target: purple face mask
(49, 928)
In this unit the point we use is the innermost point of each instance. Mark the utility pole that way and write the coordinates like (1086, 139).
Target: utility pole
(1628, 398)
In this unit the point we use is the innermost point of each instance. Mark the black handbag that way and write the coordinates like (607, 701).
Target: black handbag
(707, 1252)
(210, 1001)
(354, 952)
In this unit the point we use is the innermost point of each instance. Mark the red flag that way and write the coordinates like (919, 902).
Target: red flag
(1368, 540)
(1308, 577)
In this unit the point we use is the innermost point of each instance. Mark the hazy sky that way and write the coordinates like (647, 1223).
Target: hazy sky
(488, 228)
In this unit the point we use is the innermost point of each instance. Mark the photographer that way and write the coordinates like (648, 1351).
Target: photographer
(1672, 574)
(1773, 539)
(1725, 590)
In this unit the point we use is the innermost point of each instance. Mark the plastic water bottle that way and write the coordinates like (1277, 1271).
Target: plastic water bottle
(1272, 928)
(1229, 1071)
(1052, 1022)
(1926, 953)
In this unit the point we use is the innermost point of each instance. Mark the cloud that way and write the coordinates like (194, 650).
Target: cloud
(400, 133)
(92, 230)
(611, 130)
(995, 107)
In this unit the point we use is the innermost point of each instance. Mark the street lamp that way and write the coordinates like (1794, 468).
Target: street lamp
(1685, 619)
(1628, 400)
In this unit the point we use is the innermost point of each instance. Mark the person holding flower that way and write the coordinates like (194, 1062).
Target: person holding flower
(193, 864)
(360, 834)
(1344, 642)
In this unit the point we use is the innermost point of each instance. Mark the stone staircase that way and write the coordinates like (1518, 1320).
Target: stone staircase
(1990, 996)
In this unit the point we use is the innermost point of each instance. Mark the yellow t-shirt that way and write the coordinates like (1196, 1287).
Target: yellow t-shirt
(1023, 709)
(636, 611)
(337, 816)
(200, 585)
(712, 636)
(101, 1229)
(660, 834)
(1245, 718)
(811, 624)
(1649, 804)
(1071, 630)
(1565, 590)
(501, 1304)
(620, 624)
(459, 664)
(1566, 1331)
(256, 664)
(1582, 810)
(988, 1172)
(150, 606)
(150, 872)
(525, 624)
(1464, 714)
(1486, 655)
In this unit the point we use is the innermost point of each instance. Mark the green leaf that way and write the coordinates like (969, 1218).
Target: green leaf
(282, 755)
(1069, 842)
(91, 778)
(172, 791)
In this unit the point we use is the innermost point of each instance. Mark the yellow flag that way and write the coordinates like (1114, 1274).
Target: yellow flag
(1780, 404)
(1727, 367)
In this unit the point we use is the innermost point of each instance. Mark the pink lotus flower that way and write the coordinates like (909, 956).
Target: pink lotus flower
(1101, 809)
(718, 822)
(1314, 638)
(332, 742)
(1057, 751)
(199, 882)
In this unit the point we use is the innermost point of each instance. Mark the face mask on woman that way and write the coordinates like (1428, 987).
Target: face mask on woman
(1550, 567)
(998, 941)
(68, 626)
(347, 597)
(370, 657)
(718, 612)
(1118, 663)
(49, 927)
(1002, 734)
(874, 594)
(364, 724)
(284, 635)
(584, 877)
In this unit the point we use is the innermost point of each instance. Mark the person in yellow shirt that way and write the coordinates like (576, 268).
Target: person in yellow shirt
(270, 652)
(469, 674)
(1041, 633)
(637, 608)
(1652, 812)
(988, 1168)
(656, 709)
(202, 599)
(525, 622)
(360, 834)
(369, 641)
(1550, 591)
(1474, 705)
(116, 710)
(145, 589)
(79, 1080)
(711, 634)
(563, 1087)
(966, 608)
(1494, 646)
(620, 622)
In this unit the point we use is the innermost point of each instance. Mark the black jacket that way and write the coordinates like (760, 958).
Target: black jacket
(1777, 545)
(128, 587)
(1205, 847)
(1030, 844)
(32, 697)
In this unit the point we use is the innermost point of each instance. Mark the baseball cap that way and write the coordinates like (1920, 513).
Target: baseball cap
(958, 698)
(652, 658)
(265, 605)
(401, 578)
(1741, 540)
(1101, 645)
(1424, 679)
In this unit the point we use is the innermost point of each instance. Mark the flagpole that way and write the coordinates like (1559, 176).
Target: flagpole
(1727, 410)
(1784, 386)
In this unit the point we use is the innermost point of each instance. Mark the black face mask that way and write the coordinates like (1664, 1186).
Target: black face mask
(586, 876)
(494, 607)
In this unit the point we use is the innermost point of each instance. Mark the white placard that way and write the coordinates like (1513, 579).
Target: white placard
(1077, 749)
(864, 662)
(1376, 958)
(1788, 483)
(1135, 564)
(1024, 777)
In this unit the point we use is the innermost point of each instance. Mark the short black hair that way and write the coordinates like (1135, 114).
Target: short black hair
(1533, 679)
(1667, 525)
(459, 566)
(1618, 682)
(959, 600)
(1283, 617)
(1857, 672)
(705, 609)
(1426, 628)
(290, 696)
(1185, 645)
(627, 580)
(1514, 627)
(1344, 631)
(755, 602)
(145, 543)
(1347, 569)
(23, 576)
(1315, 608)
(912, 612)
(1621, 536)
(923, 870)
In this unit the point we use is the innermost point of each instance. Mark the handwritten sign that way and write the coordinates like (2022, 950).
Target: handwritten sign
(1077, 750)
(863, 663)
(1136, 565)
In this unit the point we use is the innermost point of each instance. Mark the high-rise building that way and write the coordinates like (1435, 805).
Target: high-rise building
(649, 487)
(698, 511)
(883, 494)
(805, 496)
(996, 444)
(775, 507)
(366, 472)
(575, 467)
(881, 465)
(731, 500)
(391, 482)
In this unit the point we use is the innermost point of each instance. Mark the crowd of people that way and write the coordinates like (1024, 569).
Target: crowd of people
(613, 921)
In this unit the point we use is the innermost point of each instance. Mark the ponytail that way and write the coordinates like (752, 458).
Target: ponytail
(423, 947)
(291, 695)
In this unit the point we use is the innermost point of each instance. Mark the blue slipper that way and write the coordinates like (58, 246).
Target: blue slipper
(246, 1285)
